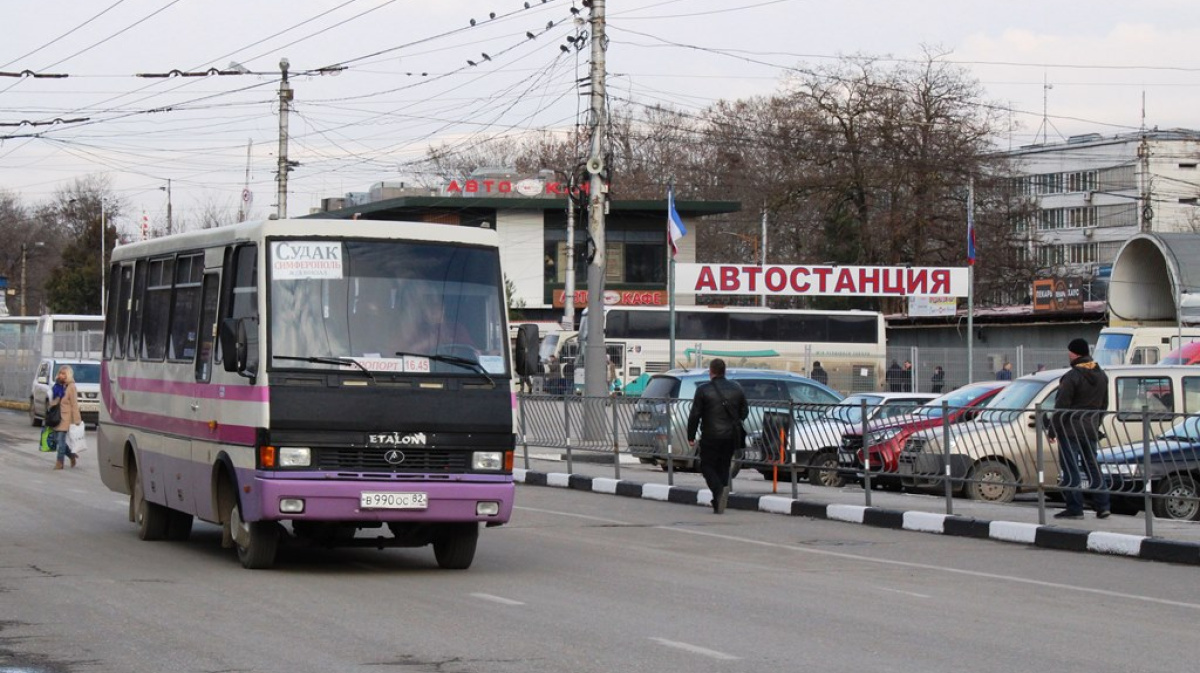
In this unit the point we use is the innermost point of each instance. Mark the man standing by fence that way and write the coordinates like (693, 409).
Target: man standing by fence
(718, 411)
(1080, 406)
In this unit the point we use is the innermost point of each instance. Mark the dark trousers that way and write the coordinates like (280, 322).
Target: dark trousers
(1074, 453)
(716, 456)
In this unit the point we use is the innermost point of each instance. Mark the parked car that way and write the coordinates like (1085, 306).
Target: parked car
(814, 444)
(1174, 472)
(660, 415)
(888, 435)
(996, 456)
(87, 388)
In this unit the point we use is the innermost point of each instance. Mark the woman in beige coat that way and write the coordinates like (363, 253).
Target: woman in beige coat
(67, 399)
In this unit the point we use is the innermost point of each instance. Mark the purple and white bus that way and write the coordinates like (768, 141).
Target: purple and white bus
(298, 381)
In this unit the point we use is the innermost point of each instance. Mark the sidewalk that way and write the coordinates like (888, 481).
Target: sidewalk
(1173, 541)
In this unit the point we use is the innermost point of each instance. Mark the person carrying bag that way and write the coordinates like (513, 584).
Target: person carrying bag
(65, 400)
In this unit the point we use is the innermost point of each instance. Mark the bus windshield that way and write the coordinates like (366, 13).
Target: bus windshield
(389, 305)
(1111, 348)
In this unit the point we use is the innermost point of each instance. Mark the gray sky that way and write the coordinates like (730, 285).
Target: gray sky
(409, 84)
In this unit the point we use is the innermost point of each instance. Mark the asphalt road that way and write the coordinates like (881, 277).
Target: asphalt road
(578, 582)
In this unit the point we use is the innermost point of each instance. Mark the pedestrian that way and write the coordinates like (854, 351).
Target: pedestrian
(893, 377)
(818, 374)
(906, 378)
(1040, 368)
(1075, 425)
(938, 381)
(66, 398)
(553, 375)
(718, 411)
(1005, 373)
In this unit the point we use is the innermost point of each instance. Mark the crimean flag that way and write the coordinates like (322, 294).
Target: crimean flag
(675, 228)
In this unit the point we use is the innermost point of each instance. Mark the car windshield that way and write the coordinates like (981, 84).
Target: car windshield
(849, 410)
(389, 305)
(85, 372)
(954, 399)
(1012, 401)
(1186, 430)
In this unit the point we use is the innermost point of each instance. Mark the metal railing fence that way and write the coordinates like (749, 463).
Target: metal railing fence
(20, 355)
(1146, 460)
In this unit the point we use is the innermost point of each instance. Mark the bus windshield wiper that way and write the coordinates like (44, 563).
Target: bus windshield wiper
(454, 360)
(329, 361)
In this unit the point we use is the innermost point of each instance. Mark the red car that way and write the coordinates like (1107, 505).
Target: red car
(888, 436)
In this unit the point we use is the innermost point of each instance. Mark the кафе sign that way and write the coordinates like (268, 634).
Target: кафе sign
(862, 281)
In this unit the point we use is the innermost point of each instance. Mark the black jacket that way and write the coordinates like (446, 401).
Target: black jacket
(1081, 402)
(709, 410)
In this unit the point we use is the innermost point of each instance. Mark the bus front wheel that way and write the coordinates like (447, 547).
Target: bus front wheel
(257, 541)
(454, 545)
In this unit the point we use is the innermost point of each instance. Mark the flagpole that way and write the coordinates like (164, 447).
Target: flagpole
(670, 275)
(971, 281)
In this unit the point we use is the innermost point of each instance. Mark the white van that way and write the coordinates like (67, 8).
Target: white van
(997, 452)
(1140, 345)
(87, 388)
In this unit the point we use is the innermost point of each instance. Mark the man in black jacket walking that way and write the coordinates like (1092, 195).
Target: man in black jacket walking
(1079, 408)
(717, 411)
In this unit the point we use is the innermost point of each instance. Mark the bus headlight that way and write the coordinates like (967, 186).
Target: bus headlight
(487, 460)
(294, 456)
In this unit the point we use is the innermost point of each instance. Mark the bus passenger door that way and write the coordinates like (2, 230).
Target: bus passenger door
(204, 404)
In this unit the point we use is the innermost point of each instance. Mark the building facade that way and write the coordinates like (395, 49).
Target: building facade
(1094, 193)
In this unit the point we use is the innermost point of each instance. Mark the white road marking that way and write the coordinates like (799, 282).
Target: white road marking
(906, 593)
(900, 564)
(695, 649)
(497, 599)
(929, 566)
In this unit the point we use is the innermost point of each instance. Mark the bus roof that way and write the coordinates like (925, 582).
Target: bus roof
(253, 231)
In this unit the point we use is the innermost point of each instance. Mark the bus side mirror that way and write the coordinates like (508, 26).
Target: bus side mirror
(235, 344)
(527, 350)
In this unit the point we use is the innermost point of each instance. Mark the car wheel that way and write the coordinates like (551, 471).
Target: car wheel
(33, 417)
(1178, 498)
(823, 470)
(991, 481)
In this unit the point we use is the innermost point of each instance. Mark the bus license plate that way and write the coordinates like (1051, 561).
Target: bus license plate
(393, 501)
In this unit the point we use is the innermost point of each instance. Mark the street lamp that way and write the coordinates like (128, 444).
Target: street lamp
(24, 263)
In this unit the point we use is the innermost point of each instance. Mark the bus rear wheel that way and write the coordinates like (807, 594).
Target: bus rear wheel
(454, 545)
(151, 518)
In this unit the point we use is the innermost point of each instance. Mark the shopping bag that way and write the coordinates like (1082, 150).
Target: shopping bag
(46, 442)
(77, 438)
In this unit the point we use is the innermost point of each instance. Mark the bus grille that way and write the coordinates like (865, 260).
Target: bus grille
(414, 460)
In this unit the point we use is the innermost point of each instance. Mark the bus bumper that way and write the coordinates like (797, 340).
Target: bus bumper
(340, 500)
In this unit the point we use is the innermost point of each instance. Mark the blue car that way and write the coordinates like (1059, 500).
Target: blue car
(1174, 472)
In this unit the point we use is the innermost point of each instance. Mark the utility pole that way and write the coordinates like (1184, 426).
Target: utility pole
(244, 208)
(595, 364)
(285, 99)
(763, 260)
(170, 228)
(568, 320)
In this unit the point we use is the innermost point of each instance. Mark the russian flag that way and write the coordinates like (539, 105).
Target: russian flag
(675, 228)
(970, 240)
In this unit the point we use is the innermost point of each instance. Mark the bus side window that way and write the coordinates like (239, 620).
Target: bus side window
(137, 302)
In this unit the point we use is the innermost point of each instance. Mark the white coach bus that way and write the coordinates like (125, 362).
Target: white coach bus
(326, 374)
